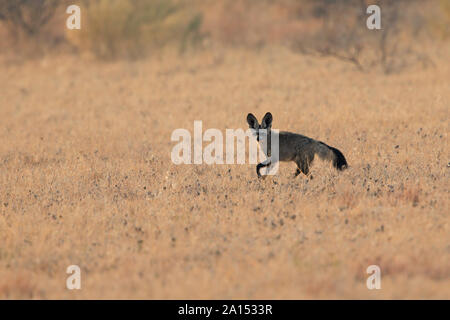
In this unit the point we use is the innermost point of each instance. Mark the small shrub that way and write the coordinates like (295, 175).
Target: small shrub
(442, 25)
(125, 28)
(343, 34)
(28, 16)
(26, 25)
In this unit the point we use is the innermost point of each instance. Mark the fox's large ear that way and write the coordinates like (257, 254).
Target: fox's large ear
(266, 122)
(252, 121)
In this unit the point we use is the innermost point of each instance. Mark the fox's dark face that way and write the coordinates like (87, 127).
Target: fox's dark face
(266, 124)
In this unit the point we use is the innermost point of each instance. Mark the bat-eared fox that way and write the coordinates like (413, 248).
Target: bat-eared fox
(294, 147)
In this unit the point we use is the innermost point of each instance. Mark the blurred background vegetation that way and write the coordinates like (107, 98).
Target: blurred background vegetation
(132, 29)
(126, 28)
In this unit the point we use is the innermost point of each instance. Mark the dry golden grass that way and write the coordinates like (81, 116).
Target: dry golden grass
(86, 178)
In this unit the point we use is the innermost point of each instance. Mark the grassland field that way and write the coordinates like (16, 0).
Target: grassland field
(86, 178)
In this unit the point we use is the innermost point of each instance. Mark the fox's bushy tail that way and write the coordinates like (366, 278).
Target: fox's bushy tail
(333, 154)
(339, 161)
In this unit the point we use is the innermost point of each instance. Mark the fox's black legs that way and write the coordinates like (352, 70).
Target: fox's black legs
(298, 171)
(305, 171)
(303, 167)
(261, 165)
